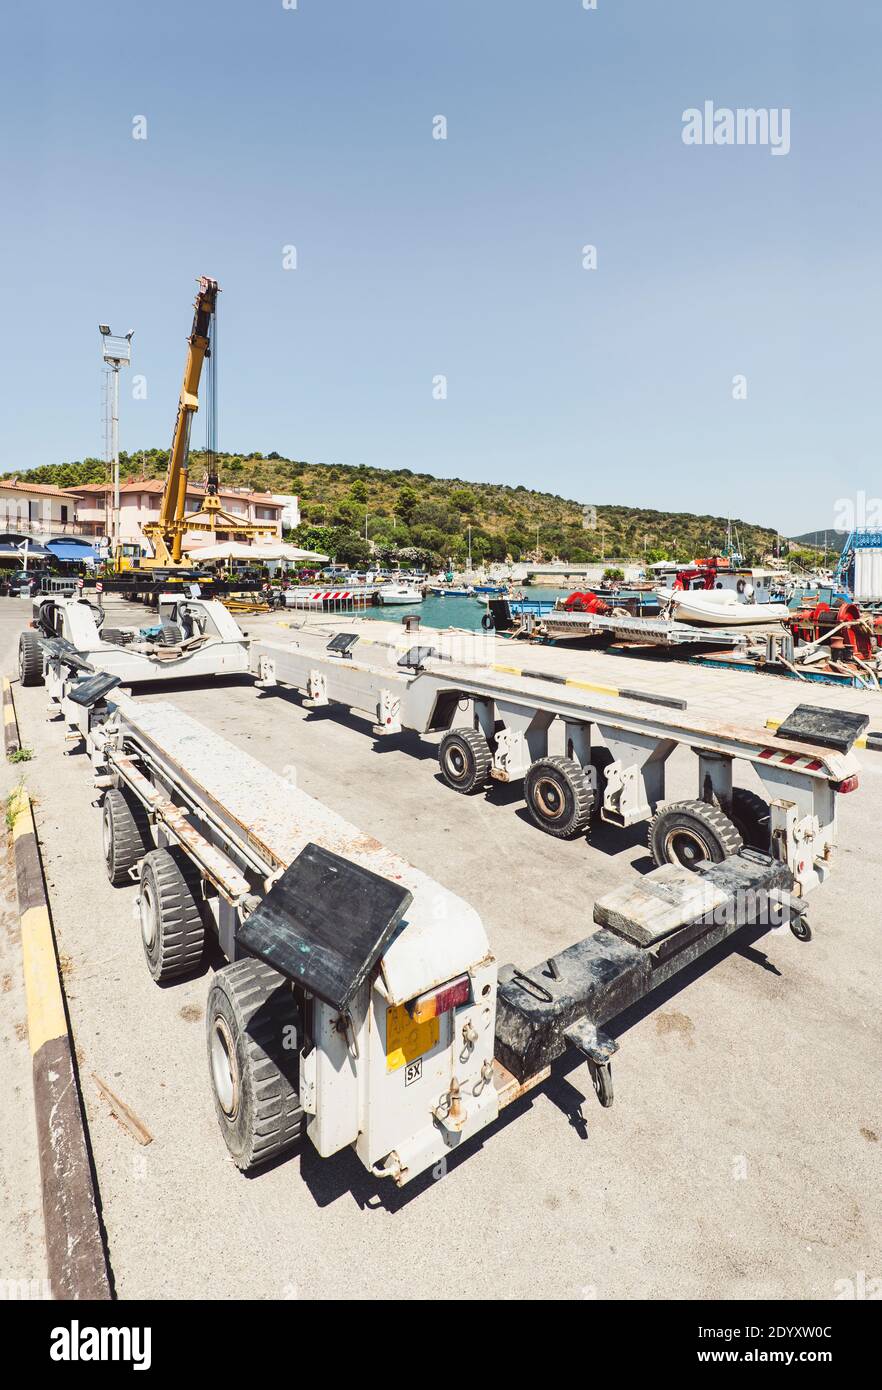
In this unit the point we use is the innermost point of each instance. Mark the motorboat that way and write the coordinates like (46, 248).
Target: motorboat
(399, 593)
(719, 608)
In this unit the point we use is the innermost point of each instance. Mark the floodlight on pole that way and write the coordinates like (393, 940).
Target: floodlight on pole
(117, 352)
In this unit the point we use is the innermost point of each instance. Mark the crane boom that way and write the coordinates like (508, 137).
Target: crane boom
(174, 497)
(167, 533)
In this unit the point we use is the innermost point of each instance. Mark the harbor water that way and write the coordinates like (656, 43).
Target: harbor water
(451, 611)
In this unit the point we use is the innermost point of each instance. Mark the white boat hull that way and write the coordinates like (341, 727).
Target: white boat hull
(397, 594)
(720, 608)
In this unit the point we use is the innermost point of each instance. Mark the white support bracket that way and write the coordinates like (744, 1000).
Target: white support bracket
(316, 690)
(635, 780)
(388, 713)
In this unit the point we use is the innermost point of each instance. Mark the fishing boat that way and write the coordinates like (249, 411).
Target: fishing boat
(719, 608)
(537, 606)
(399, 593)
(448, 591)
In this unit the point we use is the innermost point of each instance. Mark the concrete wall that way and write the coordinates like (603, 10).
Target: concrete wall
(579, 574)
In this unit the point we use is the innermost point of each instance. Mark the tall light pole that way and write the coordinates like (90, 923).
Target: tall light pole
(117, 352)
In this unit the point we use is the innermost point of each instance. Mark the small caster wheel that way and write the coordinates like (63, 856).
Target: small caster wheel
(601, 1080)
(801, 929)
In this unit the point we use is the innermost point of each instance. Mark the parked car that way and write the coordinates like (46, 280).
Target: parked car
(20, 583)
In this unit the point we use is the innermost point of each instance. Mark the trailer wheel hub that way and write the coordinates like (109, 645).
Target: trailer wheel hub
(456, 763)
(148, 915)
(224, 1072)
(549, 798)
(686, 847)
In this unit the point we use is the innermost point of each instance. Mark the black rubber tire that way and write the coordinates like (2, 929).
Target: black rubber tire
(600, 761)
(800, 928)
(559, 797)
(254, 1076)
(752, 818)
(601, 1080)
(125, 833)
(689, 832)
(487, 622)
(465, 760)
(172, 925)
(30, 659)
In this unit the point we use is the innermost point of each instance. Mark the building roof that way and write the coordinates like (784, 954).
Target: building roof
(14, 485)
(157, 485)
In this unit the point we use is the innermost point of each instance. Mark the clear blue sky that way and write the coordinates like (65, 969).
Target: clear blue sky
(313, 127)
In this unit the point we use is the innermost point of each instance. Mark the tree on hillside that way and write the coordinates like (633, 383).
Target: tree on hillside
(464, 500)
(352, 548)
(346, 514)
(74, 474)
(406, 504)
(322, 539)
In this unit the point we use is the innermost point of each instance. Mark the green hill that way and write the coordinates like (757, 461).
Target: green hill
(409, 512)
(834, 540)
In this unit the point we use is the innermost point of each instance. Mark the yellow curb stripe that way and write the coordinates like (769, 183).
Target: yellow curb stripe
(20, 814)
(589, 685)
(565, 680)
(45, 1005)
(776, 724)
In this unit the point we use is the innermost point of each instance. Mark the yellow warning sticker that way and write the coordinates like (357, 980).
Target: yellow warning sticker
(406, 1040)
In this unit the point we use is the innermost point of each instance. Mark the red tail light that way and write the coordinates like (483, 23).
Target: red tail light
(441, 1000)
(849, 784)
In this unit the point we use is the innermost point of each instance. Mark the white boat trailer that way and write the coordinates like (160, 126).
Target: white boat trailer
(192, 638)
(361, 1002)
(514, 716)
(656, 632)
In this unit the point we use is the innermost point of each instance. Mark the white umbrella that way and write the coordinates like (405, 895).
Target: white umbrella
(237, 550)
(221, 550)
(279, 550)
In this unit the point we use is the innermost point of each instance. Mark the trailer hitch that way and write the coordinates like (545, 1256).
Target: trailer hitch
(646, 934)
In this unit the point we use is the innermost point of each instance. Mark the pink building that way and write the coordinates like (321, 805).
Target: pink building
(36, 509)
(140, 500)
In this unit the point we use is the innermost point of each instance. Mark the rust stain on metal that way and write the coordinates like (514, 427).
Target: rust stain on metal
(222, 872)
(367, 843)
(508, 1086)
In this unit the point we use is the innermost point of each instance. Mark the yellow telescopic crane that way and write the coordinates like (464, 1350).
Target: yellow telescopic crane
(167, 534)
